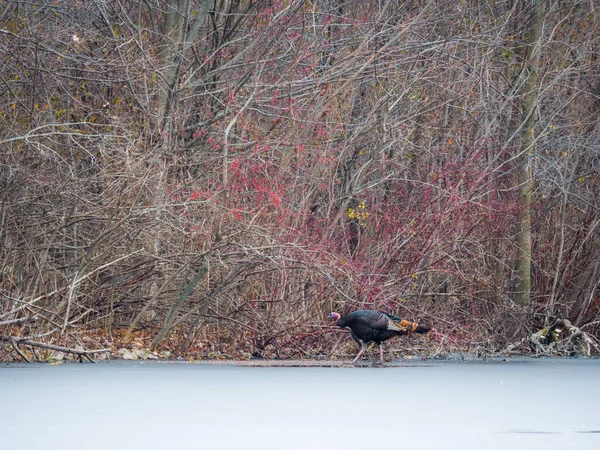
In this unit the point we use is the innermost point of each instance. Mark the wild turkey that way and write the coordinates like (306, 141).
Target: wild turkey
(375, 326)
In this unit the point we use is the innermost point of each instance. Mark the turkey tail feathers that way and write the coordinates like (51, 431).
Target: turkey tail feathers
(406, 327)
(422, 329)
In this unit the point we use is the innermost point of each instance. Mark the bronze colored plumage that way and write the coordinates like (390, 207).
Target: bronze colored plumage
(375, 326)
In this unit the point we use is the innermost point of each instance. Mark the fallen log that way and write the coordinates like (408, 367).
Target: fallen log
(81, 353)
(18, 321)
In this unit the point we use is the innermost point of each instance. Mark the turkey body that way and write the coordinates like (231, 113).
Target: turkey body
(376, 326)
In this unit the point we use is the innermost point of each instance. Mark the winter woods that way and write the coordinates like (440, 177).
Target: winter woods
(221, 174)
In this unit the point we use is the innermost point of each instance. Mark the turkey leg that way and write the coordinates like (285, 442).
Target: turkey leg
(362, 350)
(381, 352)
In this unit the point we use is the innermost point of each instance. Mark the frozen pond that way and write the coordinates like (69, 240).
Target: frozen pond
(519, 404)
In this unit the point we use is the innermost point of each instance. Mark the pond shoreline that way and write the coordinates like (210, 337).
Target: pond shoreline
(411, 361)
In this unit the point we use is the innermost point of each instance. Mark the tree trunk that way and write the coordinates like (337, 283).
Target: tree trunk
(526, 151)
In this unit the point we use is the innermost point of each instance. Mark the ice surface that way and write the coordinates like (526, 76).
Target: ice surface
(519, 404)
